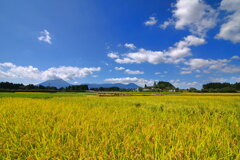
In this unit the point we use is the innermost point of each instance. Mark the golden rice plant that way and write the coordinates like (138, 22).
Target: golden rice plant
(136, 127)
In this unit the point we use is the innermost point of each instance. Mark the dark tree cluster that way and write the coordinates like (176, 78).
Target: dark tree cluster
(106, 89)
(77, 88)
(6, 86)
(162, 85)
(221, 87)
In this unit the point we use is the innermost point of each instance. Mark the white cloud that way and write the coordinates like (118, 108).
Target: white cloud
(208, 65)
(119, 68)
(161, 73)
(128, 71)
(25, 72)
(182, 49)
(194, 15)
(130, 46)
(113, 55)
(6, 75)
(192, 41)
(45, 37)
(174, 54)
(7, 64)
(180, 84)
(237, 79)
(185, 72)
(127, 80)
(68, 73)
(198, 63)
(94, 76)
(166, 24)
(151, 21)
(231, 29)
(9, 70)
(125, 60)
(141, 56)
(235, 57)
(230, 69)
(198, 76)
(218, 80)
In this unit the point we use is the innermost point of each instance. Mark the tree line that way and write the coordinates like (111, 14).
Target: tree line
(12, 87)
(160, 86)
(221, 87)
(209, 87)
(7, 86)
(157, 86)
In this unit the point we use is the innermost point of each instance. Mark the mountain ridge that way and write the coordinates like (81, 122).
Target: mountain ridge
(59, 83)
(107, 85)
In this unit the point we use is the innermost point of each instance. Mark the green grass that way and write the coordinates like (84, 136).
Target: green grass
(136, 127)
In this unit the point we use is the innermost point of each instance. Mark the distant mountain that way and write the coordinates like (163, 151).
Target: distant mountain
(120, 85)
(59, 83)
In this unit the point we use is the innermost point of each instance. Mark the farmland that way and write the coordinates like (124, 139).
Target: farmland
(85, 126)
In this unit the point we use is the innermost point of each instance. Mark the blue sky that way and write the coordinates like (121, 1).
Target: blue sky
(186, 42)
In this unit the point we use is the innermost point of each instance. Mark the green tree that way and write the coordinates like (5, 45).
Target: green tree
(145, 86)
(165, 85)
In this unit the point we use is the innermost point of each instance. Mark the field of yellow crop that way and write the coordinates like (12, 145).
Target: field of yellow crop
(135, 127)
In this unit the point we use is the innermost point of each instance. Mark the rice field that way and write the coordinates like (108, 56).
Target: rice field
(135, 127)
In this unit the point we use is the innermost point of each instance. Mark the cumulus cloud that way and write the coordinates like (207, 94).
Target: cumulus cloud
(7, 64)
(127, 80)
(68, 73)
(151, 21)
(194, 15)
(217, 80)
(113, 55)
(230, 69)
(209, 65)
(119, 68)
(198, 63)
(235, 57)
(181, 48)
(161, 74)
(130, 46)
(236, 79)
(128, 71)
(6, 75)
(141, 56)
(174, 54)
(94, 76)
(181, 84)
(45, 37)
(231, 29)
(198, 76)
(185, 72)
(9, 70)
(166, 24)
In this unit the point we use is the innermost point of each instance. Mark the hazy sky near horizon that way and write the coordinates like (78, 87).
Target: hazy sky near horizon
(186, 42)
